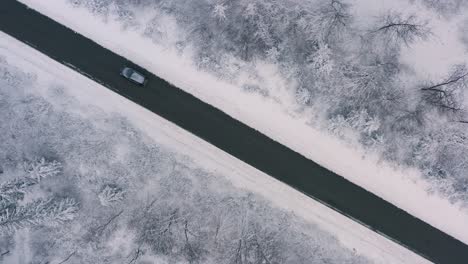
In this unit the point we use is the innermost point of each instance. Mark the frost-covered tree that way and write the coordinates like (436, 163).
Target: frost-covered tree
(396, 27)
(303, 96)
(219, 11)
(321, 61)
(13, 215)
(333, 17)
(359, 122)
(40, 168)
(368, 87)
(447, 95)
(49, 212)
(111, 195)
(14, 190)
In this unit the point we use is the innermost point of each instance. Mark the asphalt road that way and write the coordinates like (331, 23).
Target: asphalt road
(232, 136)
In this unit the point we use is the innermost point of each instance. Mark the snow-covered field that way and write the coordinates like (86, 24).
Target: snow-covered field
(260, 94)
(116, 161)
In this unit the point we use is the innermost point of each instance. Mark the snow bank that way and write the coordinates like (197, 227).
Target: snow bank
(349, 233)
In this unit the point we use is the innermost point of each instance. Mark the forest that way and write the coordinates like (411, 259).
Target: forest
(70, 194)
(82, 185)
(348, 74)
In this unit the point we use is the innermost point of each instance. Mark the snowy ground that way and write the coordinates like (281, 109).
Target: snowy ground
(278, 119)
(53, 87)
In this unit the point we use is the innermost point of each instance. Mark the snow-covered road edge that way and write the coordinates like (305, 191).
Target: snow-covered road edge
(349, 233)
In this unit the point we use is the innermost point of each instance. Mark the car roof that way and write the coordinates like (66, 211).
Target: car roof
(138, 77)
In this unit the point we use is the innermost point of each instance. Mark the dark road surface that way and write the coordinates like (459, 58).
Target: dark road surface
(245, 143)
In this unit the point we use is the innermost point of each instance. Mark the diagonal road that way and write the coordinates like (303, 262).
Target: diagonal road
(228, 134)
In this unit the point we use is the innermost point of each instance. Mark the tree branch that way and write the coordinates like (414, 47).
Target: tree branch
(447, 82)
(136, 256)
(67, 258)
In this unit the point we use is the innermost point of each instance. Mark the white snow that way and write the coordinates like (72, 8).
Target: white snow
(404, 188)
(348, 232)
(429, 58)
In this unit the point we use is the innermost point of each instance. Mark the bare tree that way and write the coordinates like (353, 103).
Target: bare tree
(333, 17)
(397, 27)
(447, 95)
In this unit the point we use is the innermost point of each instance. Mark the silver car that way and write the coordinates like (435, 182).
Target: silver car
(133, 75)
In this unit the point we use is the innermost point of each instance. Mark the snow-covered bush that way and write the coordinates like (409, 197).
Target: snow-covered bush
(321, 61)
(303, 96)
(40, 168)
(111, 195)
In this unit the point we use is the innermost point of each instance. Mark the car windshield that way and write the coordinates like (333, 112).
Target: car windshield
(127, 72)
(137, 77)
